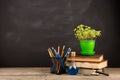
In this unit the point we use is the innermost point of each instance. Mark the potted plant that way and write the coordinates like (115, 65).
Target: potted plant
(86, 35)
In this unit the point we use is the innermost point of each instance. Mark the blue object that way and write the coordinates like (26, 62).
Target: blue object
(72, 70)
(67, 53)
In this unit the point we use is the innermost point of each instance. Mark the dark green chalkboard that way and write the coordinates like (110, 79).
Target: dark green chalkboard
(29, 27)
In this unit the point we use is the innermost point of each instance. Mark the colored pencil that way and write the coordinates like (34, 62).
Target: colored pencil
(51, 53)
(58, 49)
(62, 53)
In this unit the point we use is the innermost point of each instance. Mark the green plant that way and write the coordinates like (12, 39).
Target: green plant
(84, 32)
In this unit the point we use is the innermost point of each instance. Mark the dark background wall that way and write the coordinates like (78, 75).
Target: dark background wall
(29, 27)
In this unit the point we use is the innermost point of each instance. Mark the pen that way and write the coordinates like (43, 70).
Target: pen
(102, 73)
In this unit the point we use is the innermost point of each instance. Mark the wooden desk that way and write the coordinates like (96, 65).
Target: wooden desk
(39, 73)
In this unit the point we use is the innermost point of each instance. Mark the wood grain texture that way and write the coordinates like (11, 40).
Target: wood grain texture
(36, 73)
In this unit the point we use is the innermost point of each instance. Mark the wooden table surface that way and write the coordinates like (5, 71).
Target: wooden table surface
(43, 73)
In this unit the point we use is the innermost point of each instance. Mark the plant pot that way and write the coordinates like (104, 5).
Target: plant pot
(87, 47)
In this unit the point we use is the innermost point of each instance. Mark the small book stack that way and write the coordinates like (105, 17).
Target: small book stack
(89, 64)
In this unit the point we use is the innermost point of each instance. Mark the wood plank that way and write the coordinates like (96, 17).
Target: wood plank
(36, 73)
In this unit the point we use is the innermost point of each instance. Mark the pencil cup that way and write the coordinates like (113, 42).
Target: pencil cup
(57, 66)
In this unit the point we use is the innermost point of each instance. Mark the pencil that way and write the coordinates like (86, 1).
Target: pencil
(57, 66)
(57, 62)
(52, 59)
(58, 49)
(62, 53)
(50, 52)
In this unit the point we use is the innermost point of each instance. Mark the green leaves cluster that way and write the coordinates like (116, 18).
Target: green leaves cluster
(84, 32)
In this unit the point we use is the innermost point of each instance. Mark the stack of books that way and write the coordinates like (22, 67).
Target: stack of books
(88, 64)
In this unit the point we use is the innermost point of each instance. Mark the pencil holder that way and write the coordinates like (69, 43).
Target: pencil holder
(57, 66)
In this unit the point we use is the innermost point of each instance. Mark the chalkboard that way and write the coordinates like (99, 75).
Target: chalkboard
(29, 27)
